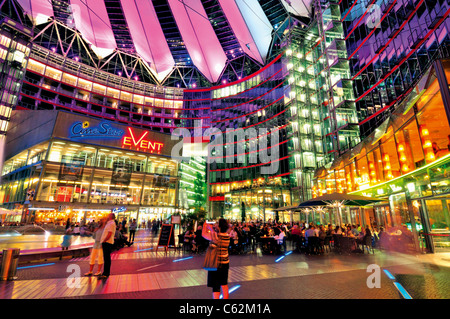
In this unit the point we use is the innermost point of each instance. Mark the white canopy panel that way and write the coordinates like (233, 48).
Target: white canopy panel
(148, 36)
(91, 19)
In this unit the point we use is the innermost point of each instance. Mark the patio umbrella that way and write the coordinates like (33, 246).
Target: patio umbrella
(337, 200)
(287, 208)
(343, 199)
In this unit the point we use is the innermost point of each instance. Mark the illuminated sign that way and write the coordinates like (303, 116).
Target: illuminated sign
(103, 130)
(141, 144)
(119, 210)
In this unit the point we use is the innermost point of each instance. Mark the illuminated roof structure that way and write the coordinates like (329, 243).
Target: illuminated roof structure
(178, 42)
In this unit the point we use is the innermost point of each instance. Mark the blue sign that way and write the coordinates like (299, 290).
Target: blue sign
(103, 130)
(119, 210)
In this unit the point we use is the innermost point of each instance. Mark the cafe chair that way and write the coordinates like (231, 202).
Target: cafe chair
(337, 243)
(367, 244)
(313, 245)
(326, 245)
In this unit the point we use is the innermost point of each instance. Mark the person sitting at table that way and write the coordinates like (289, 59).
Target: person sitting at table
(330, 230)
(322, 235)
(355, 230)
(310, 232)
(349, 232)
(188, 238)
(366, 236)
(234, 239)
(280, 240)
(199, 242)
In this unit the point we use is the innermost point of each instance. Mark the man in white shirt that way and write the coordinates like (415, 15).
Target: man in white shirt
(107, 241)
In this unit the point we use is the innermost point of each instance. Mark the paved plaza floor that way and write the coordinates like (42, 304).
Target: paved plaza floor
(143, 272)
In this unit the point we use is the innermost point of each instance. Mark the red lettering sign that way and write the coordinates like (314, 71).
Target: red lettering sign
(141, 144)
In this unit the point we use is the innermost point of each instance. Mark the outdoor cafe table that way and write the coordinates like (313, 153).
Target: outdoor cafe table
(344, 244)
(268, 244)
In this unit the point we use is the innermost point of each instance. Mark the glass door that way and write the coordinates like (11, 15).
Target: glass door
(437, 214)
(381, 215)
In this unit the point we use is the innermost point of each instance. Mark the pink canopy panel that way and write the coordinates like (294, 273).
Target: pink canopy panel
(38, 10)
(199, 37)
(240, 29)
(91, 19)
(148, 36)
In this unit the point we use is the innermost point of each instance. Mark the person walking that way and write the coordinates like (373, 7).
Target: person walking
(67, 239)
(97, 250)
(219, 279)
(107, 242)
(132, 227)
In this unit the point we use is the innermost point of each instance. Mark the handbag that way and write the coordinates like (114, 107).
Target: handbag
(211, 262)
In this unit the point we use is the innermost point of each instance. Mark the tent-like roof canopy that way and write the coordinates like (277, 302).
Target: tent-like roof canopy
(168, 33)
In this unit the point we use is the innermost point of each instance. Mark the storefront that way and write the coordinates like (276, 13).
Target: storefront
(405, 162)
(81, 168)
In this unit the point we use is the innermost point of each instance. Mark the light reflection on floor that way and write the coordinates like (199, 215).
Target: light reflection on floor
(39, 241)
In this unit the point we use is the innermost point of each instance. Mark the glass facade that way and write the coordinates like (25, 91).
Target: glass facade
(63, 177)
(405, 163)
(391, 45)
(248, 121)
(14, 52)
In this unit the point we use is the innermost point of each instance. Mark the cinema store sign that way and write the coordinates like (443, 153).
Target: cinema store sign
(105, 131)
(84, 130)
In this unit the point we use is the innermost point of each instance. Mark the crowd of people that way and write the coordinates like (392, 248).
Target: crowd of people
(245, 236)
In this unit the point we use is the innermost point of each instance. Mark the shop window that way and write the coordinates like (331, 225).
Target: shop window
(434, 128)
(399, 213)
(413, 144)
(340, 180)
(374, 168)
(362, 171)
(404, 151)
(438, 214)
(391, 165)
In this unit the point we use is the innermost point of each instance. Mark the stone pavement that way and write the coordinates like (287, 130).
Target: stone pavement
(139, 272)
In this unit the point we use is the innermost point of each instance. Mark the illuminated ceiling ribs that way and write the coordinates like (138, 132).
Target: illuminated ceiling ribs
(165, 42)
(199, 37)
(148, 36)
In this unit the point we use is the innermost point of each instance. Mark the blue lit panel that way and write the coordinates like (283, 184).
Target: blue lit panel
(257, 23)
